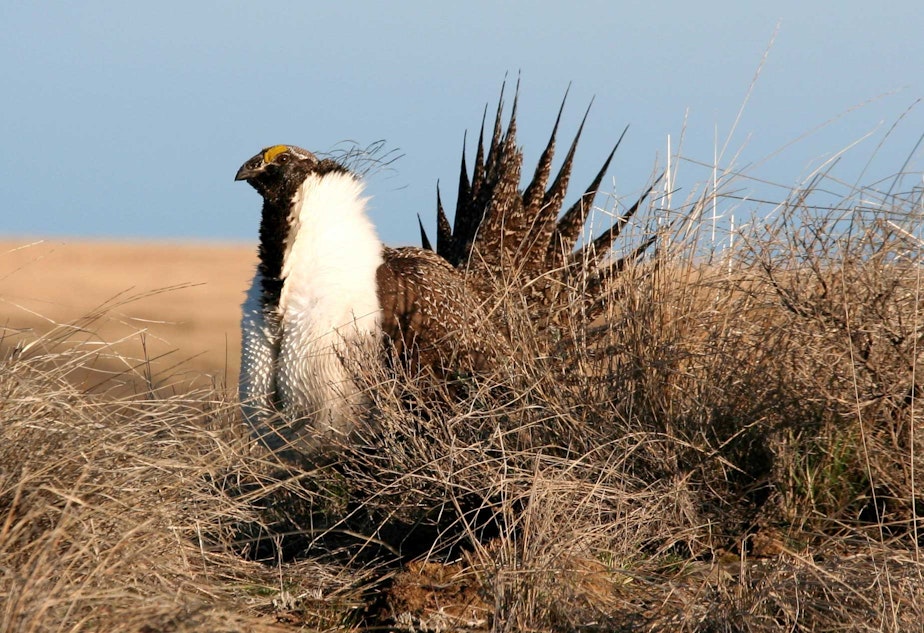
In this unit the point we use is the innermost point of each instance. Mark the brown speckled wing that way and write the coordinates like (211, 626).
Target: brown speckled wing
(428, 312)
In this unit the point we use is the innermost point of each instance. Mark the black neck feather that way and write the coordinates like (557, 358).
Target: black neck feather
(274, 229)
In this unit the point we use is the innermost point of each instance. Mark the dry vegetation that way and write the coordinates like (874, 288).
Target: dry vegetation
(140, 310)
(735, 447)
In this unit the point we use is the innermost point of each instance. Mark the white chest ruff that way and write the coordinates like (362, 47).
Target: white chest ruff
(328, 315)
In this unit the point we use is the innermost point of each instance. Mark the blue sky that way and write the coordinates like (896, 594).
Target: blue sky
(130, 119)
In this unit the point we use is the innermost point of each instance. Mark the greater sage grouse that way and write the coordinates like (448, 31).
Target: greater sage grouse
(326, 290)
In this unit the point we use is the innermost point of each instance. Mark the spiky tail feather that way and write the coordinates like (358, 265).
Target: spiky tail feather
(500, 231)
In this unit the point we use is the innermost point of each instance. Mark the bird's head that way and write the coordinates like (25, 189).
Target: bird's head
(279, 169)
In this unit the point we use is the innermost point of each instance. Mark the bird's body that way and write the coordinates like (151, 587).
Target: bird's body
(326, 292)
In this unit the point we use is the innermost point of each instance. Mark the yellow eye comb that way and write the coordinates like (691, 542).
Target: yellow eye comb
(270, 154)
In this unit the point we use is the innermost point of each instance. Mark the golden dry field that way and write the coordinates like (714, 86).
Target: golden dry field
(177, 304)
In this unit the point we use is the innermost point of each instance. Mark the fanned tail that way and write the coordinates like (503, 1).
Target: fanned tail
(503, 231)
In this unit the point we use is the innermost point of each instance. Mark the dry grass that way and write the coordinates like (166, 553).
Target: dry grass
(736, 446)
(164, 311)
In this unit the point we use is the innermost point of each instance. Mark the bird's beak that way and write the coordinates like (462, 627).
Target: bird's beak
(251, 168)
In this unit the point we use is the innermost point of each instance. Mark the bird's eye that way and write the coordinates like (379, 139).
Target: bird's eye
(283, 158)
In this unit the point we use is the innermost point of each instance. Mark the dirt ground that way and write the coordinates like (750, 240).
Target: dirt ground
(176, 304)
